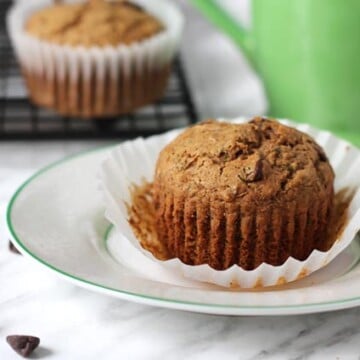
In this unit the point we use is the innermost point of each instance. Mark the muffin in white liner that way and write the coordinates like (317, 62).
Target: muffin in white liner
(132, 162)
(96, 81)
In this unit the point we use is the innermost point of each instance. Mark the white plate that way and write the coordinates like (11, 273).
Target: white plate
(56, 218)
(132, 162)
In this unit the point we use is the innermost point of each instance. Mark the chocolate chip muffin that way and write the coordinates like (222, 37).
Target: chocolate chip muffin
(243, 194)
(96, 58)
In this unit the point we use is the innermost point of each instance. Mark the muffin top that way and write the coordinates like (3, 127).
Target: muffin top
(93, 23)
(258, 162)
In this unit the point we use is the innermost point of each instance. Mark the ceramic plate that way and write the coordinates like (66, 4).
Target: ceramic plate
(56, 218)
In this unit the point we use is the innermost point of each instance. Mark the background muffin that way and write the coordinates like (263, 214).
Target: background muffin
(93, 23)
(95, 58)
(243, 194)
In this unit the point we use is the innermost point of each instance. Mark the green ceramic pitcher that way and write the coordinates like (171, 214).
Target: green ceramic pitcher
(308, 54)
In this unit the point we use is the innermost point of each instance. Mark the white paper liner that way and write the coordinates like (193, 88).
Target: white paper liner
(133, 161)
(79, 64)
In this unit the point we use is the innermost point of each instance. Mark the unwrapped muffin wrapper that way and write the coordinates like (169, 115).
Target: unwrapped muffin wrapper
(96, 81)
(133, 161)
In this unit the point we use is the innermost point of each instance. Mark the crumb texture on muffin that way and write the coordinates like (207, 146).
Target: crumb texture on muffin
(93, 23)
(243, 194)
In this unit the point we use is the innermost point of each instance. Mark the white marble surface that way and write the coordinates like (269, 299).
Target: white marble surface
(76, 324)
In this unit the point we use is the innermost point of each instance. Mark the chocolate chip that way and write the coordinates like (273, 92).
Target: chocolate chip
(224, 155)
(257, 119)
(13, 249)
(322, 155)
(24, 345)
(252, 172)
(320, 151)
(133, 5)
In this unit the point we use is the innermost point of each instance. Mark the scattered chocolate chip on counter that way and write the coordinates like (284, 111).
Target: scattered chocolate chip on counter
(13, 249)
(24, 345)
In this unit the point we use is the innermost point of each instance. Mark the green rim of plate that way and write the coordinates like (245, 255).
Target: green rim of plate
(316, 306)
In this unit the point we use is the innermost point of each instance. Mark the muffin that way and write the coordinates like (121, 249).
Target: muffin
(95, 58)
(243, 194)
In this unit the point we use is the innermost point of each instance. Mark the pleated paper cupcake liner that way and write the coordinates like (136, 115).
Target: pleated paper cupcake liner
(91, 82)
(133, 162)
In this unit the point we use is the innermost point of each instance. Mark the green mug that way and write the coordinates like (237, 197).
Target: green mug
(307, 53)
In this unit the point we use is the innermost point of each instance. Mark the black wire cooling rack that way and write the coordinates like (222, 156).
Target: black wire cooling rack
(20, 120)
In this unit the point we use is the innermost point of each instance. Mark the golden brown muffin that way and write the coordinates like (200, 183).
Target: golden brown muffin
(243, 194)
(93, 23)
(93, 59)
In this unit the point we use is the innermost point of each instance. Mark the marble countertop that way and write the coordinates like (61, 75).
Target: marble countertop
(74, 323)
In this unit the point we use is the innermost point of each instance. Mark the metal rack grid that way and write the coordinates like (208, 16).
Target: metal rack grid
(20, 120)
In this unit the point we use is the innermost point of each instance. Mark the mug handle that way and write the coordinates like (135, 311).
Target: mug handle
(223, 20)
